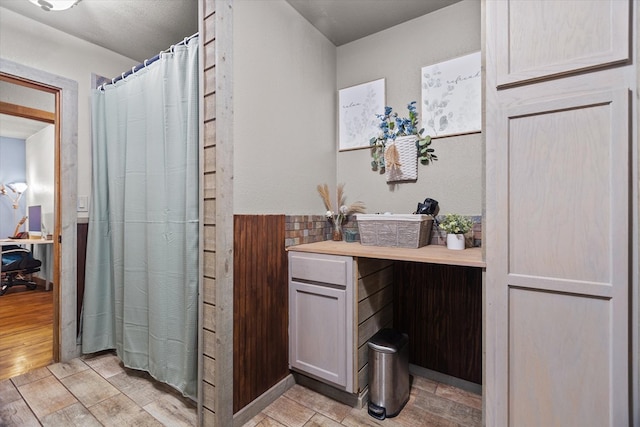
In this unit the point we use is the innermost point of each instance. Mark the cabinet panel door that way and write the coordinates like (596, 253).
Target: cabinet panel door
(539, 39)
(318, 331)
(559, 293)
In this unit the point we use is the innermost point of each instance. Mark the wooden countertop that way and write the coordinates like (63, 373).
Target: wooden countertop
(434, 254)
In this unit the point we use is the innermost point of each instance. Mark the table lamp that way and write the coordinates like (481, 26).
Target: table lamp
(18, 188)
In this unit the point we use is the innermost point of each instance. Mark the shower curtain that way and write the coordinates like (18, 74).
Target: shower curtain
(141, 282)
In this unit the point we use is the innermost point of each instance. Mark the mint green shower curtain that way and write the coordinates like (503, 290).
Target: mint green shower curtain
(141, 282)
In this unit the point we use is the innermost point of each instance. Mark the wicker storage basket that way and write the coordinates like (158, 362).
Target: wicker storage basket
(404, 231)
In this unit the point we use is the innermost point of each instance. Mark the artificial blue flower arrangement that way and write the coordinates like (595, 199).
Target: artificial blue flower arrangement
(391, 126)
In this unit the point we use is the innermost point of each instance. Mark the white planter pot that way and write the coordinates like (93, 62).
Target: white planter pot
(455, 242)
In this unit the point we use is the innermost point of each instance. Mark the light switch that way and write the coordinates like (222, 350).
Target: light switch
(83, 204)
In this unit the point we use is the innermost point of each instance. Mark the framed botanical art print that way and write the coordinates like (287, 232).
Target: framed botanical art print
(452, 97)
(358, 106)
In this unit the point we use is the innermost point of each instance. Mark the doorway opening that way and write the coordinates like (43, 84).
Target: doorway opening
(64, 219)
(29, 134)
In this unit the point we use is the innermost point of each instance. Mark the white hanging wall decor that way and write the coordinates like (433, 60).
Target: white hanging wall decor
(401, 159)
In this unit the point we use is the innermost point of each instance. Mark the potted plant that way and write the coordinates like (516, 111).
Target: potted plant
(392, 128)
(456, 226)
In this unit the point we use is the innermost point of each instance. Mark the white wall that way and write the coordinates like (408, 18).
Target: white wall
(12, 169)
(286, 79)
(40, 151)
(30, 43)
(284, 110)
(398, 54)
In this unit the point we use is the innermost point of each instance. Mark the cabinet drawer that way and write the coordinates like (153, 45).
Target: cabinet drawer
(330, 269)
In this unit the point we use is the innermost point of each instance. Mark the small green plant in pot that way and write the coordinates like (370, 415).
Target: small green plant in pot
(456, 226)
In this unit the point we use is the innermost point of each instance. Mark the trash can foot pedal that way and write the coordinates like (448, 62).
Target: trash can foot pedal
(377, 412)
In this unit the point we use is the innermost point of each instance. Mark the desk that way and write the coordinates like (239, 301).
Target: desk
(47, 255)
(434, 254)
(437, 300)
(26, 241)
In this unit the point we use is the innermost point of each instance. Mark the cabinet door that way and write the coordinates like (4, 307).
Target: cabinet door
(558, 224)
(551, 38)
(317, 331)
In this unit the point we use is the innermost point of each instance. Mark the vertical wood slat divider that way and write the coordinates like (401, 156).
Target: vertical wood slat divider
(261, 310)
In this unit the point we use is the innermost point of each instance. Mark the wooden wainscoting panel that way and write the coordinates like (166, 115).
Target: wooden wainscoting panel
(260, 293)
(440, 308)
(83, 229)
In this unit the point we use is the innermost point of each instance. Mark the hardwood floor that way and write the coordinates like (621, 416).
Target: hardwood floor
(26, 331)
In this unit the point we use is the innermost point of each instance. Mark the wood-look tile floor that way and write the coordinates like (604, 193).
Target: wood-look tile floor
(99, 391)
(91, 391)
(430, 404)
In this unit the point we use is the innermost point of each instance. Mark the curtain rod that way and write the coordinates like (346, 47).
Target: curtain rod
(147, 62)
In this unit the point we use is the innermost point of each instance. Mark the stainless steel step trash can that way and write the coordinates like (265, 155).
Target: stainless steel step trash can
(388, 373)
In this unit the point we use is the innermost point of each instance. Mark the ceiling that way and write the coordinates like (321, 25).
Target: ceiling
(343, 21)
(137, 29)
(18, 127)
(155, 25)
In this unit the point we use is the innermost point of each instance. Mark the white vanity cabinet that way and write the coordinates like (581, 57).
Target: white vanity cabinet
(340, 295)
(321, 317)
(336, 303)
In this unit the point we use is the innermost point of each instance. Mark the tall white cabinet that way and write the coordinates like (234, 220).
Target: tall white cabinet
(561, 154)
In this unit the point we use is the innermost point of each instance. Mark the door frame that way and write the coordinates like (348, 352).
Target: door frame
(66, 189)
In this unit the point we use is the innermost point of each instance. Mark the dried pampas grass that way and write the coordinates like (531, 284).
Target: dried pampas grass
(356, 207)
(323, 190)
(341, 198)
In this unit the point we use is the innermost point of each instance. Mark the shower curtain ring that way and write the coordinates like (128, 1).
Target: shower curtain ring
(145, 63)
(122, 76)
(113, 80)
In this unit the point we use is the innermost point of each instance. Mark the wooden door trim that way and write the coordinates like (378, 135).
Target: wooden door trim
(65, 173)
(27, 112)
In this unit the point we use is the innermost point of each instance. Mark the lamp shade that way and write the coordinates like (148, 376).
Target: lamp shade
(18, 187)
(55, 5)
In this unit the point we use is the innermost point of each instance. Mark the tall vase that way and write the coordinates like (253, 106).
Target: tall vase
(337, 232)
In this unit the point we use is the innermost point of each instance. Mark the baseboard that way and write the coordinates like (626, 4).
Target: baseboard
(241, 417)
(354, 400)
(42, 283)
(445, 379)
